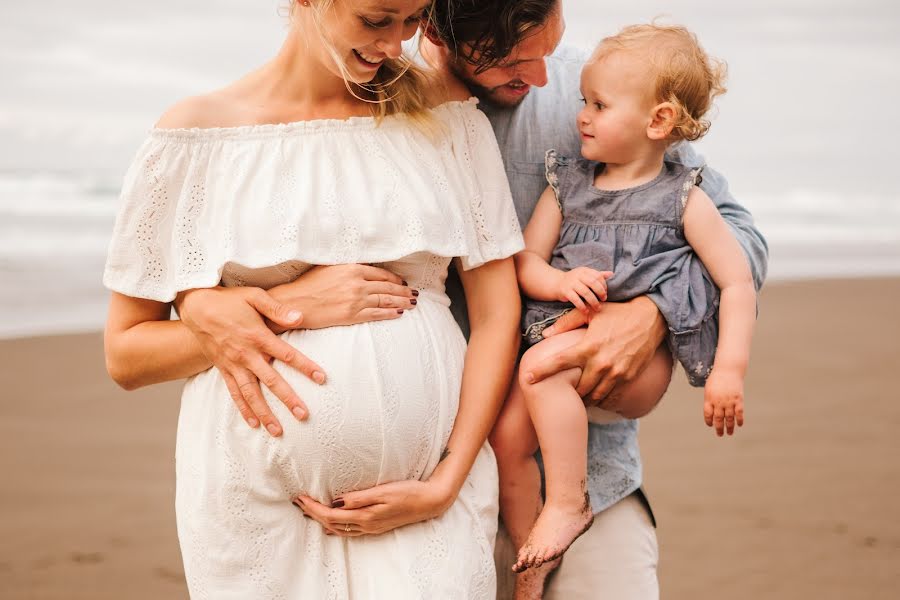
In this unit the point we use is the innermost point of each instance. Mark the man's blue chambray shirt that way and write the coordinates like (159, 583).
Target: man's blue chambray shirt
(546, 119)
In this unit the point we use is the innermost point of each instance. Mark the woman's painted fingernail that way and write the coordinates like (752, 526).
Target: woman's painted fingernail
(319, 377)
(404, 282)
(415, 292)
(337, 503)
(399, 311)
(413, 301)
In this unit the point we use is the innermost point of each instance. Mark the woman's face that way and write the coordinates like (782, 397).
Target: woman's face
(363, 33)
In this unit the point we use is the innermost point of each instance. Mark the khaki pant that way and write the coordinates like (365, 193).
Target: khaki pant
(614, 560)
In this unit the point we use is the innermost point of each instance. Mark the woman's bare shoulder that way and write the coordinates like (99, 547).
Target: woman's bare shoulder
(214, 109)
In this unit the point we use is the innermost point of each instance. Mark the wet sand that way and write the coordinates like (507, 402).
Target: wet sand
(800, 504)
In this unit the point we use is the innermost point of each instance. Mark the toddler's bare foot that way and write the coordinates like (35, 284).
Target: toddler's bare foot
(530, 583)
(555, 530)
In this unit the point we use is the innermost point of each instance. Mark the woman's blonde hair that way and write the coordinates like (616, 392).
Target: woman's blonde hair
(686, 76)
(399, 87)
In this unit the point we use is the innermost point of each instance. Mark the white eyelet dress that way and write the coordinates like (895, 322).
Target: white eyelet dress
(258, 206)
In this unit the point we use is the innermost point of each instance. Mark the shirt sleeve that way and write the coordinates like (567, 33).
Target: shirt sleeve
(738, 218)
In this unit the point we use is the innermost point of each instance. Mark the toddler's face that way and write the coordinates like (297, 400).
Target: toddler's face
(617, 108)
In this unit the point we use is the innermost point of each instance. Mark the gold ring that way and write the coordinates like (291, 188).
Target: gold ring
(347, 527)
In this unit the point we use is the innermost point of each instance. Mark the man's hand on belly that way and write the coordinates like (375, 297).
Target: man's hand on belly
(228, 323)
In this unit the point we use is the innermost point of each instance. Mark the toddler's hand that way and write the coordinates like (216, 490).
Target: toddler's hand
(583, 287)
(723, 404)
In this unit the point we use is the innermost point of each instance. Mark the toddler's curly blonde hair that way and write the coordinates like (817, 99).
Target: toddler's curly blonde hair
(686, 75)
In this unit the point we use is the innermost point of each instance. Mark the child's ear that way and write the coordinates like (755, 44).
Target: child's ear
(662, 121)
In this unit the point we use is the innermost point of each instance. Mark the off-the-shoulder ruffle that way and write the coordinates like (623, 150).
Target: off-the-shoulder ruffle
(320, 192)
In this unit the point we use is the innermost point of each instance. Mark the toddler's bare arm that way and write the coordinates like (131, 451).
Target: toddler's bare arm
(717, 247)
(536, 277)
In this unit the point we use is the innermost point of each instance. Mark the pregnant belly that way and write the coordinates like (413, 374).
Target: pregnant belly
(384, 413)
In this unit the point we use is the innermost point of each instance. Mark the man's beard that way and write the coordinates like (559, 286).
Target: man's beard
(486, 95)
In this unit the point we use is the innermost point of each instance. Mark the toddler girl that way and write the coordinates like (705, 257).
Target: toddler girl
(618, 223)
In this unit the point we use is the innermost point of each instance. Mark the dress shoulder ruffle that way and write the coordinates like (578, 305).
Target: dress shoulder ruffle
(321, 192)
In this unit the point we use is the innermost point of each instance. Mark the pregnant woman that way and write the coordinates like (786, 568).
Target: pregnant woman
(335, 152)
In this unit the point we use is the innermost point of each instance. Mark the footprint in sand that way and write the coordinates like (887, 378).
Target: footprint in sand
(86, 558)
(169, 574)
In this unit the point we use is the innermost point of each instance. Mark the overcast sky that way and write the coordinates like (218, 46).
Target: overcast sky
(811, 104)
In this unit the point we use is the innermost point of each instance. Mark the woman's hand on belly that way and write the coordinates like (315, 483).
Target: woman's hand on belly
(381, 508)
(345, 295)
(228, 323)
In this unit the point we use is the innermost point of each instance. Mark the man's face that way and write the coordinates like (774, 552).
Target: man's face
(508, 83)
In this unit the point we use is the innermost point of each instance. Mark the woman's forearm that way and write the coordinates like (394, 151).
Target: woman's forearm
(144, 347)
(492, 297)
(490, 359)
(154, 352)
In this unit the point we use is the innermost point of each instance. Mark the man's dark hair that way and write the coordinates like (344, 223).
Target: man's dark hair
(489, 29)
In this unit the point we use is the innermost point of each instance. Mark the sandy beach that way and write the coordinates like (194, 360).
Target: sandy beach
(800, 504)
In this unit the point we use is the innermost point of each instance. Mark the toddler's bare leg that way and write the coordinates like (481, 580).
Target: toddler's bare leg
(560, 421)
(514, 443)
(637, 398)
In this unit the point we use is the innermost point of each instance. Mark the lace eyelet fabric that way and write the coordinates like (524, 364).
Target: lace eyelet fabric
(259, 206)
